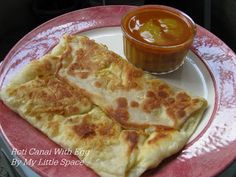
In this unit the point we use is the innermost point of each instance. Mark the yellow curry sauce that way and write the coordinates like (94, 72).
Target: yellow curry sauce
(157, 38)
(159, 28)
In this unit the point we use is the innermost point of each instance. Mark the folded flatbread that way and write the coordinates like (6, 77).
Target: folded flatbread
(83, 96)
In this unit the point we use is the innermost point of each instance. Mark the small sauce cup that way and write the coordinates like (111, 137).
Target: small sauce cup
(157, 38)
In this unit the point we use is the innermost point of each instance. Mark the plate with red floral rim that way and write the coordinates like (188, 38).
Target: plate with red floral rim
(208, 71)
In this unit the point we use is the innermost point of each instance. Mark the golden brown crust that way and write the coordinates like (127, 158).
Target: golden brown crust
(122, 102)
(134, 104)
(85, 130)
(51, 95)
(84, 96)
(121, 115)
(96, 66)
(132, 138)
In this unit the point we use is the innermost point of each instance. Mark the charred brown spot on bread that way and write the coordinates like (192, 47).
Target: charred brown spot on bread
(133, 73)
(156, 98)
(114, 57)
(132, 138)
(85, 129)
(88, 57)
(105, 130)
(42, 68)
(182, 105)
(47, 65)
(132, 85)
(82, 66)
(161, 128)
(71, 69)
(169, 101)
(69, 38)
(108, 129)
(163, 94)
(80, 54)
(121, 115)
(70, 110)
(134, 104)
(38, 117)
(83, 74)
(98, 84)
(150, 104)
(122, 102)
(182, 96)
(180, 113)
(170, 112)
(176, 110)
(164, 87)
(150, 94)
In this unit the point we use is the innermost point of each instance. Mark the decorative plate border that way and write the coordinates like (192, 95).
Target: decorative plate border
(208, 155)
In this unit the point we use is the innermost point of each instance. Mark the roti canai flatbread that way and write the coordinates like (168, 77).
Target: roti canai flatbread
(127, 94)
(83, 96)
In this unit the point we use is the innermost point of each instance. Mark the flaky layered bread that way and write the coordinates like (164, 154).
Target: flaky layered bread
(83, 96)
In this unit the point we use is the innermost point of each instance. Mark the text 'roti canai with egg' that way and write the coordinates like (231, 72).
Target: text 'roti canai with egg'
(83, 96)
